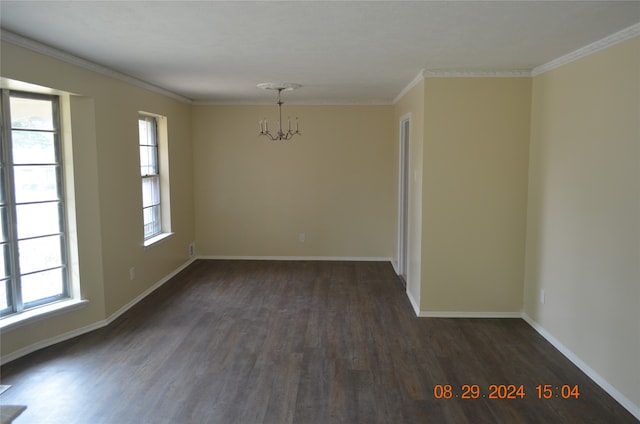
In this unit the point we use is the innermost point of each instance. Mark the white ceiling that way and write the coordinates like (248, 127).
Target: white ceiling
(340, 51)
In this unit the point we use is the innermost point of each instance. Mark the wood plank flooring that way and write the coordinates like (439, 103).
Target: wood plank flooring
(296, 342)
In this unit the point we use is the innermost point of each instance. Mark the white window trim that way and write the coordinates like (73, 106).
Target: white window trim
(70, 292)
(151, 241)
(165, 195)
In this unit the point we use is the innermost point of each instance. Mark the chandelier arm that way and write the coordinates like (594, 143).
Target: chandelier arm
(271, 136)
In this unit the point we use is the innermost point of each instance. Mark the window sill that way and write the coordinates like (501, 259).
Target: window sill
(41, 313)
(157, 239)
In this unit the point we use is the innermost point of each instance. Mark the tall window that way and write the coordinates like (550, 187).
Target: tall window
(33, 241)
(150, 172)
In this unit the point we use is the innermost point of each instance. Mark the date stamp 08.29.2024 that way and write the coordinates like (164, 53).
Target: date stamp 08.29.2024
(505, 391)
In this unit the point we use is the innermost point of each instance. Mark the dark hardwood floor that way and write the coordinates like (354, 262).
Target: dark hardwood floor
(297, 342)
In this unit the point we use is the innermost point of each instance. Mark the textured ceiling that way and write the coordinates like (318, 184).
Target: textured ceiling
(340, 51)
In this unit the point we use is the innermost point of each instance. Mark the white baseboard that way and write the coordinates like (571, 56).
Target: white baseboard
(51, 341)
(147, 292)
(597, 378)
(396, 267)
(91, 327)
(414, 304)
(299, 258)
(463, 314)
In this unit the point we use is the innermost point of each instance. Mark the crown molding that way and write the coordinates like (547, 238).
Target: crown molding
(454, 73)
(309, 102)
(409, 86)
(63, 56)
(613, 39)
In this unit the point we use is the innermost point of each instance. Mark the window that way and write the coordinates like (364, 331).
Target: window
(155, 209)
(33, 239)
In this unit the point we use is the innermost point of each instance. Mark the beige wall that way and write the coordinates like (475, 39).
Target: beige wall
(103, 125)
(413, 103)
(476, 141)
(583, 232)
(336, 182)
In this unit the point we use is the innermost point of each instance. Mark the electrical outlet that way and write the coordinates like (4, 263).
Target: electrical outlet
(542, 296)
(302, 237)
(132, 273)
(192, 250)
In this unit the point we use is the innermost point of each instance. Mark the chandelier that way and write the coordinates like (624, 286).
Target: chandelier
(264, 124)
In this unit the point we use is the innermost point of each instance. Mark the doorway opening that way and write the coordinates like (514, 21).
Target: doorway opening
(403, 198)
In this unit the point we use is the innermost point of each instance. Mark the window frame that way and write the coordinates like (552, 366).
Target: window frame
(13, 281)
(154, 176)
(159, 194)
